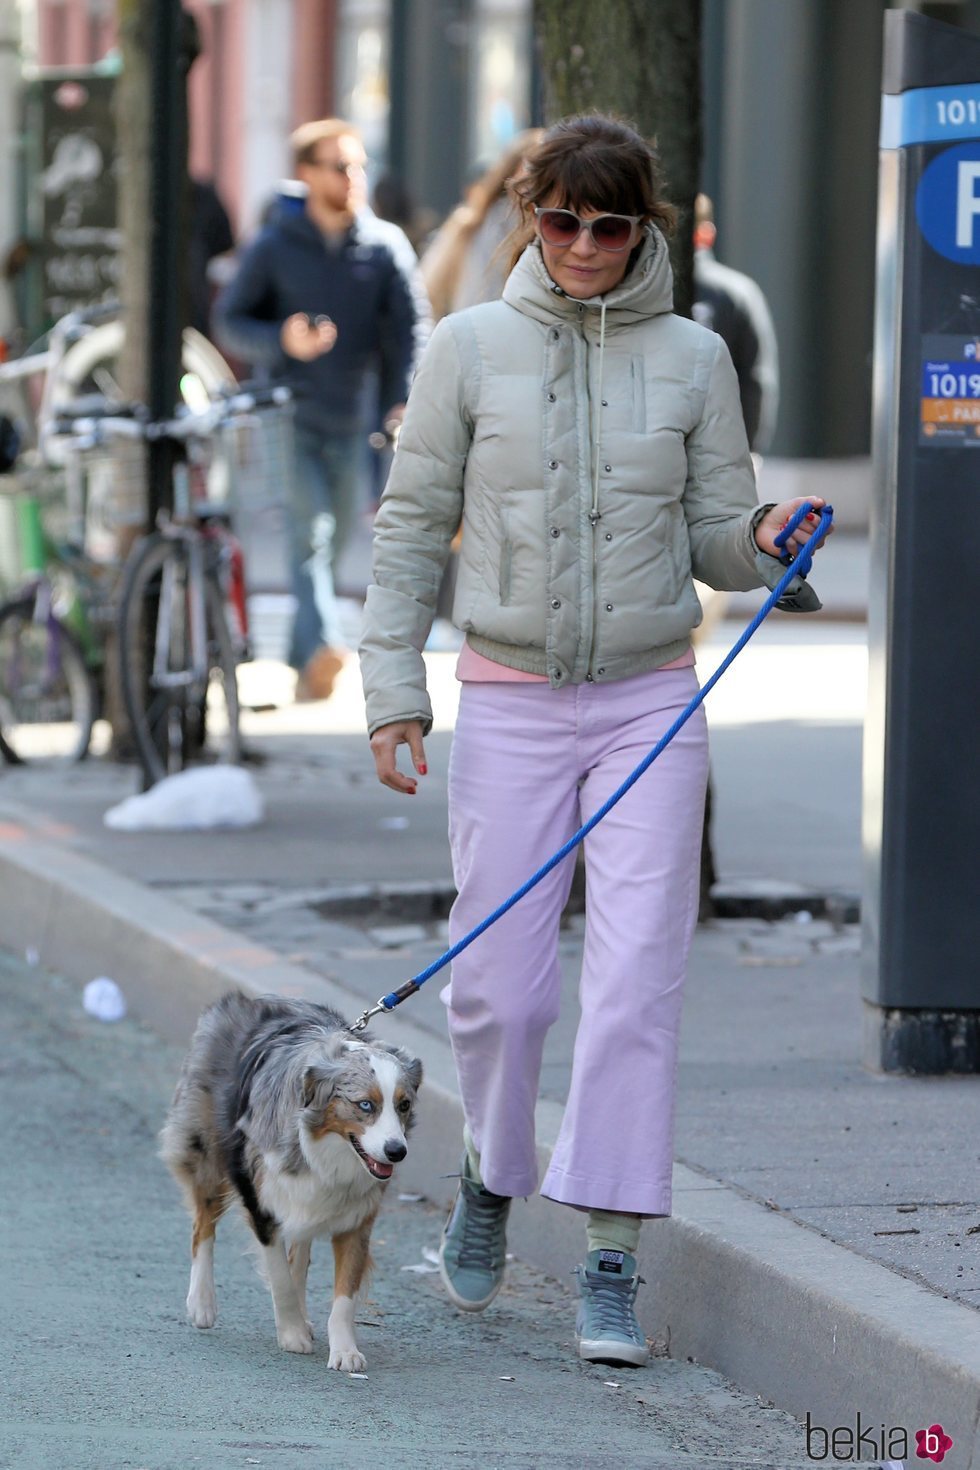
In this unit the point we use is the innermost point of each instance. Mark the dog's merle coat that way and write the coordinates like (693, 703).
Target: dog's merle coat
(280, 1106)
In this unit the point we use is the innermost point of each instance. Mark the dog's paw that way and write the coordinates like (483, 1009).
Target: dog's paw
(295, 1338)
(347, 1360)
(202, 1308)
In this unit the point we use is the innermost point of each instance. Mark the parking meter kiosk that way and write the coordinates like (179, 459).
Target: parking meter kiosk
(921, 820)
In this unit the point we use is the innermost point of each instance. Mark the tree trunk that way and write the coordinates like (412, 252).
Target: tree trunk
(639, 59)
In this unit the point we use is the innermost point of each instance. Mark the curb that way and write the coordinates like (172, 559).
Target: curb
(776, 1307)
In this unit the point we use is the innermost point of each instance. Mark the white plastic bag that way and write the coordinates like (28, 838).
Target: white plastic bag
(206, 797)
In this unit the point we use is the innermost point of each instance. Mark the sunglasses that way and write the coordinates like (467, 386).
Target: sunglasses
(337, 168)
(608, 231)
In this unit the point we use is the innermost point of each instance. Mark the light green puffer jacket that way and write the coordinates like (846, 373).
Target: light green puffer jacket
(596, 456)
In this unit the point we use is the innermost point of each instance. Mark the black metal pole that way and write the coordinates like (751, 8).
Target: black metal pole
(168, 169)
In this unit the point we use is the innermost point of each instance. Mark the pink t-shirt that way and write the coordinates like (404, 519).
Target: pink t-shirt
(473, 668)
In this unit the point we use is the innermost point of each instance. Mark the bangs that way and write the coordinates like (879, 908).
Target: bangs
(589, 178)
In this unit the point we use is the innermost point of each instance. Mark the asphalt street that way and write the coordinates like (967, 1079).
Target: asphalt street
(104, 1372)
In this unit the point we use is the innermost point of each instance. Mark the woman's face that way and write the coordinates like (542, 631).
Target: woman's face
(582, 269)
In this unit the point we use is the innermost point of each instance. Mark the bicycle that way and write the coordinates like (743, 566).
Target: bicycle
(52, 632)
(54, 626)
(182, 616)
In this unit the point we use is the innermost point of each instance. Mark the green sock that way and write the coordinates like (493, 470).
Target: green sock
(473, 1154)
(610, 1230)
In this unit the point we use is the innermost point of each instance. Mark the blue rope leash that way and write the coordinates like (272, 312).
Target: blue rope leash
(800, 565)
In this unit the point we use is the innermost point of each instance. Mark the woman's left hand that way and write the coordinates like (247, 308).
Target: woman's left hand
(774, 520)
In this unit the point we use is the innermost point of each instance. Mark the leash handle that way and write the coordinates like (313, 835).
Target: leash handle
(796, 519)
(799, 566)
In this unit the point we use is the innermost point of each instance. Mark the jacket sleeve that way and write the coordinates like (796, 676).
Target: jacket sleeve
(720, 501)
(419, 514)
(247, 322)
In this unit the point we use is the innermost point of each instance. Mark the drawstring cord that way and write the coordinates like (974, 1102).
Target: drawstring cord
(597, 414)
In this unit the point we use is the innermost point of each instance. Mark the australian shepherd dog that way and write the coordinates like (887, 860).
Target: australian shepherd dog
(283, 1109)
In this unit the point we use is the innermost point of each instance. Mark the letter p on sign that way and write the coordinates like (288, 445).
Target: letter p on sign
(967, 202)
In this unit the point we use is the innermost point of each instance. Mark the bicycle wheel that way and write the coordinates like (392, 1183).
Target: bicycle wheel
(177, 713)
(48, 698)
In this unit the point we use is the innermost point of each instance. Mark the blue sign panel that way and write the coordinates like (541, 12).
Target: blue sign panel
(947, 203)
(930, 115)
(949, 414)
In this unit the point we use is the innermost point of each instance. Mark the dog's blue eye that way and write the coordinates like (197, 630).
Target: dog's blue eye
(366, 1107)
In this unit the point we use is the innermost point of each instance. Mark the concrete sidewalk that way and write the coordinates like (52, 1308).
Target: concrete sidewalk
(823, 1250)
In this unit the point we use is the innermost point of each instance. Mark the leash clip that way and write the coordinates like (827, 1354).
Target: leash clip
(361, 1023)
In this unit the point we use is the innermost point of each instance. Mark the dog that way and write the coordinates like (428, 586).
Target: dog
(282, 1108)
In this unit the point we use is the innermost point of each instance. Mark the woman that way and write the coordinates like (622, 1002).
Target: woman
(591, 443)
(465, 263)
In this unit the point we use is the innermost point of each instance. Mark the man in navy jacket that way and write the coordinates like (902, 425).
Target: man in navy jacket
(321, 300)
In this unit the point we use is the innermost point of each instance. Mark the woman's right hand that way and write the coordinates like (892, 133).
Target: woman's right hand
(384, 744)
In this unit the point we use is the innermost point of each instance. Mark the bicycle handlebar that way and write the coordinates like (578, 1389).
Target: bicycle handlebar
(101, 420)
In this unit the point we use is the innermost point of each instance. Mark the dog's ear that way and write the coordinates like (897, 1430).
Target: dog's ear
(318, 1085)
(412, 1065)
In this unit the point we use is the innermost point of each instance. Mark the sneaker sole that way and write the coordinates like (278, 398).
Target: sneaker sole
(618, 1354)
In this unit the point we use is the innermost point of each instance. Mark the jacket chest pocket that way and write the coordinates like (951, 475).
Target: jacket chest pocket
(624, 408)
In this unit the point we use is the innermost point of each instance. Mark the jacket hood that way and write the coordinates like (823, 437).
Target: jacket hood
(646, 291)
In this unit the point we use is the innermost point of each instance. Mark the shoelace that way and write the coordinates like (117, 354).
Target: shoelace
(612, 1301)
(481, 1224)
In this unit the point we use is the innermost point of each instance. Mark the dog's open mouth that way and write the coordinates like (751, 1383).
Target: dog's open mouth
(380, 1171)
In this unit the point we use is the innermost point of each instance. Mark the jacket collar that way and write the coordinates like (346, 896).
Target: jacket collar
(646, 291)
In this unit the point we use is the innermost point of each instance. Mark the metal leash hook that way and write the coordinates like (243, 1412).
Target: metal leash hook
(386, 1003)
(798, 566)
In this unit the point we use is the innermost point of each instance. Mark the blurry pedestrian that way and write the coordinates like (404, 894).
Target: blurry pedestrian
(465, 263)
(321, 300)
(209, 236)
(592, 445)
(733, 305)
(392, 200)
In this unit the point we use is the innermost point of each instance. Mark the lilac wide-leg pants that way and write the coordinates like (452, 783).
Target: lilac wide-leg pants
(528, 765)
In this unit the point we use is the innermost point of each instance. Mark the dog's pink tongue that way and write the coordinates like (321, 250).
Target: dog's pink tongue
(383, 1171)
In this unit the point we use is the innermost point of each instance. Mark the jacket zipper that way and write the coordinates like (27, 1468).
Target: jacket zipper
(595, 514)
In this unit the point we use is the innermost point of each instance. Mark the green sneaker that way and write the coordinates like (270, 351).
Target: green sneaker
(606, 1326)
(474, 1243)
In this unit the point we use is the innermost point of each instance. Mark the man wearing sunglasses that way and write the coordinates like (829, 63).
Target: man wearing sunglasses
(323, 298)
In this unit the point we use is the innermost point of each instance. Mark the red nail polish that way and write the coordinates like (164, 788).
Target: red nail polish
(423, 770)
(811, 518)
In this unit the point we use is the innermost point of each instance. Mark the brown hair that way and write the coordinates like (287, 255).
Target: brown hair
(308, 137)
(594, 161)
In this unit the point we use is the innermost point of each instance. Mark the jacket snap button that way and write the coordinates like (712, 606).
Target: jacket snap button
(556, 673)
(555, 603)
(552, 398)
(555, 531)
(552, 464)
(554, 336)
(609, 607)
(605, 403)
(609, 535)
(589, 679)
(608, 469)
(600, 671)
